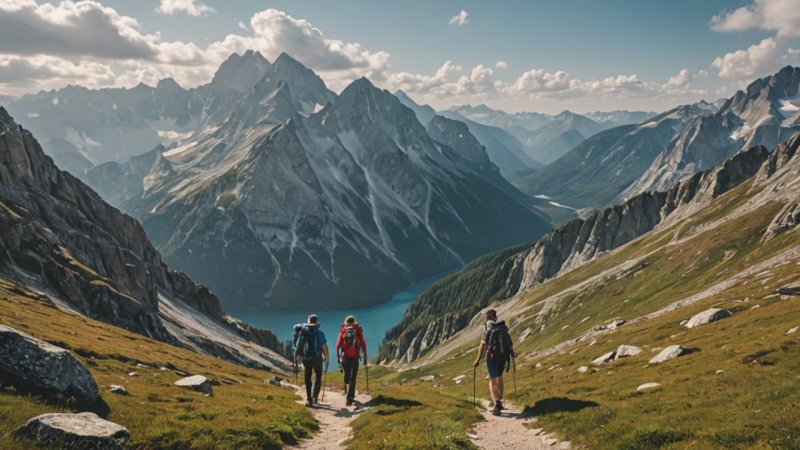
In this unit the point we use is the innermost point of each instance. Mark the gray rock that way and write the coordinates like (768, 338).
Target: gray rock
(275, 381)
(119, 390)
(792, 330)
(75, 431)
(35, 365)
(671, 352)
(647, 386)
(795, 291)
(707, 316)
(583, 369)
(196, 383)
(623, 351)
(608, 357)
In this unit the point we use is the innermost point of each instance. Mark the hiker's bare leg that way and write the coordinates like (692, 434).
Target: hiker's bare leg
(500, 387)
(494, 387)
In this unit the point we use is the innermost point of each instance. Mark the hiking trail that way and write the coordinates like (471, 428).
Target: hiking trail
(509, 431)
(334, 419)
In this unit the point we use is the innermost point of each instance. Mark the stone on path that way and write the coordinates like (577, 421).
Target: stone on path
(707, 316)
(78, 431)
(196, 383)
(647, 386)
(671, 352)
(36, 365)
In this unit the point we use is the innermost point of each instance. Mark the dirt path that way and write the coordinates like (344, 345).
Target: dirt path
(334, 419)
(509, 432)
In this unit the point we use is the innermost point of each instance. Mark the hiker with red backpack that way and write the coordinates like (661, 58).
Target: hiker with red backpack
(499, 350)
(349, 347)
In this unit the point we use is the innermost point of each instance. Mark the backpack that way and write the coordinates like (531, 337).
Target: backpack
(307, 342)
(499, 342)
(350, 337)
(296, 335)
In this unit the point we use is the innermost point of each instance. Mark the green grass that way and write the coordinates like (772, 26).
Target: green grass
(247, 415)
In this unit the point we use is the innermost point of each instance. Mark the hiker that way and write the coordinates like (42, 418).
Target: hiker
(499, 349)
(312, 350)
(349, 346)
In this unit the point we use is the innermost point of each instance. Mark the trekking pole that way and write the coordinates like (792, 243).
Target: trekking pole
(514, 376)
(324, 382)
(366, 368)
(474, 399)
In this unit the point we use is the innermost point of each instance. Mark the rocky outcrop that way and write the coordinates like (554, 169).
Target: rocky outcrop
(624, 351)
(35, 366)
(75, 431)
(605, 358)
(707, 316)
(60, 237)
(647, 386)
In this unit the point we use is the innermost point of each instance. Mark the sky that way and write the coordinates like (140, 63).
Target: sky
(516, 55)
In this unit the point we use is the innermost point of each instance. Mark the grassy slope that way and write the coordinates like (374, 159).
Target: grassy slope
(753, 403)
(246, 415)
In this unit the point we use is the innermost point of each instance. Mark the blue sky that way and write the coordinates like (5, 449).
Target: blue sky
(579, 54)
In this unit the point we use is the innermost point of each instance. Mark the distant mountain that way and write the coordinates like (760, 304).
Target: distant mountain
(120, 182)
(766, 113)
(337, 208)
(61, 239)
(504, 149)
(546, 137)
(115, 124)
(611, 119)
(595, 172)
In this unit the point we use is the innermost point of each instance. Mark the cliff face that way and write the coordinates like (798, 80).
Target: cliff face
(59, 237)
(559, 251)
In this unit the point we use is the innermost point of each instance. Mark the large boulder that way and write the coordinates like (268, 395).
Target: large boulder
(623, 351)
(36, 366)
(78, 431)
(707, 316)
(671, 352)
(196, 383)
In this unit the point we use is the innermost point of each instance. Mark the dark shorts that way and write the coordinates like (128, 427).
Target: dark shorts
(495, 368)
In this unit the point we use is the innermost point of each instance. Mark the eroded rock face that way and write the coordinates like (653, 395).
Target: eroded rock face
(75, 431)
(35, 365)
(623, 351)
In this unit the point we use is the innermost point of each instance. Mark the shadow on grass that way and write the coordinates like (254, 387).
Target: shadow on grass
(383, 400)
(557, 405)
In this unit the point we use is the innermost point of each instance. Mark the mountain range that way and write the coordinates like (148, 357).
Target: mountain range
(652, 155)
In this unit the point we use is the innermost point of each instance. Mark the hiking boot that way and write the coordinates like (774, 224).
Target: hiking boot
(496, 410)
(499, 405)
(349, 402)
(309, 403)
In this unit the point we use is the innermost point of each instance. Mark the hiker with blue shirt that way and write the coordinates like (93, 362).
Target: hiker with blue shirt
(499, 350)
(312, 351)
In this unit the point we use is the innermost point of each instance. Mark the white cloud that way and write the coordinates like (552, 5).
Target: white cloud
(748, 63)
(459, 19)
(83, 29)
(781, 16)
(501, 65)
(243, 26)
(191, 7)
(44, 72)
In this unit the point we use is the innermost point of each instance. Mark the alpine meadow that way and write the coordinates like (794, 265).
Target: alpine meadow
(327, 225)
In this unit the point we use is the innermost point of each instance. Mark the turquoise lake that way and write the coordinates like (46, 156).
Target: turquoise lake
(375, 320)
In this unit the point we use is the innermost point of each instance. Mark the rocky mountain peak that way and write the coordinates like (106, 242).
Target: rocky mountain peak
(168, 84)
(240, 72)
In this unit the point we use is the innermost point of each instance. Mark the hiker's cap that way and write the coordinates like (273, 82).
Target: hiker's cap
(313, 318)
(350, 319)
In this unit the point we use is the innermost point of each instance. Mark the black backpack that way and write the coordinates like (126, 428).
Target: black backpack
(499, 342)
(307, 342)
(350, 337)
